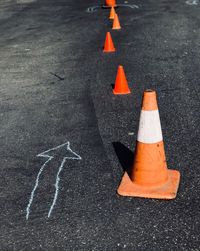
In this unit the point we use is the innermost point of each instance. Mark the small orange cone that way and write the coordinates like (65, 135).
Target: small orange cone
(121, 84)
(108, 45)
(150, 177)
(110, 3)
(116, 23)
(112, 13)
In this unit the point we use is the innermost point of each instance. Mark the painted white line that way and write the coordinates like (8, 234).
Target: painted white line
(50, 155)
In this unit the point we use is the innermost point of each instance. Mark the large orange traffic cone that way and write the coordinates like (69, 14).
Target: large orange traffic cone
(121, 84)
(108, 45)
(110, 3)
(116, 23)
(150, 177)
(112, 13)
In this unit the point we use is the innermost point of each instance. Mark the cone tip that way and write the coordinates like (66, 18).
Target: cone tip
(149, 100)
(121, 69)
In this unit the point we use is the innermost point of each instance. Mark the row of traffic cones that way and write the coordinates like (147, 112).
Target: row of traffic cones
(149, 177)
(121, 84)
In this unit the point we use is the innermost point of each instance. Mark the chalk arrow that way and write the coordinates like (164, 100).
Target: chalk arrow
(64, 152)
(64, 149)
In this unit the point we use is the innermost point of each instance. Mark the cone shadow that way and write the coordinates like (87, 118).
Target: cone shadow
(125, 156)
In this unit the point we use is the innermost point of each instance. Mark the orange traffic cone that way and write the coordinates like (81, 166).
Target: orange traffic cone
(116, 23)
(112, 13)
(110, 3)
(108, 45)
(150, 177)
(121, 84)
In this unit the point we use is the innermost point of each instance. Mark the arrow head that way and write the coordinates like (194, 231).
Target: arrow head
(63, 150)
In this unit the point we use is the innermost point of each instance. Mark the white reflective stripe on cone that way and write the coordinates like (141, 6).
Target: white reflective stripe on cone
(149, 127)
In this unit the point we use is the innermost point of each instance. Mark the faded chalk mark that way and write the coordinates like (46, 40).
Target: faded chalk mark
(69, 154)
(34, 189)
(132, 6)
(57, 187)
(192, 2)
(95, 8)
(25, 1)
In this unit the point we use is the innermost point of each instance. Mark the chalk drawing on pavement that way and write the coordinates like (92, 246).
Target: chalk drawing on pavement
(69, 154)
(192, 2)
(95, 8)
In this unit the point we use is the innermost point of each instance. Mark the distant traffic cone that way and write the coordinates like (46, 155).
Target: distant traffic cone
(121, 84)
(108, 45)
(110, 3)
(116, 23)
(112, 13)
(150, 177)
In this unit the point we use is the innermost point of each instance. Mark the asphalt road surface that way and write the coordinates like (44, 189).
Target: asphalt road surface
(56, 94)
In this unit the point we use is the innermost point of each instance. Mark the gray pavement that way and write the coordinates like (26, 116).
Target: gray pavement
(55, 88)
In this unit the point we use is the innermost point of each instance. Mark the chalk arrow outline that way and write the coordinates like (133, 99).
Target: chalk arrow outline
(49, 154)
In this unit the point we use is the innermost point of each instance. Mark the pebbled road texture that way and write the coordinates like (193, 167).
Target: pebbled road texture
(55, 86)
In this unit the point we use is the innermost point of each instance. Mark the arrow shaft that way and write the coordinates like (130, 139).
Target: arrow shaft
(56, 187)
(35, 188)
